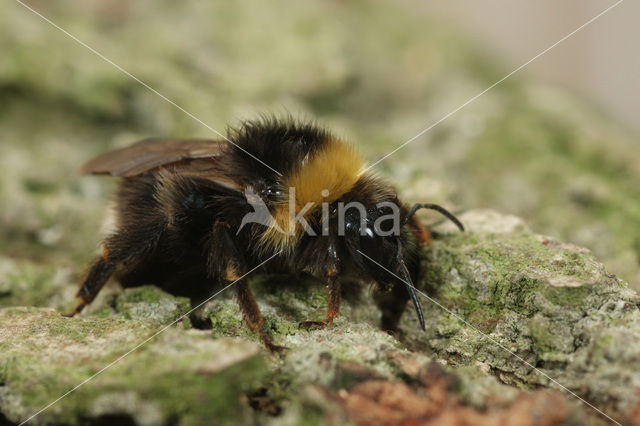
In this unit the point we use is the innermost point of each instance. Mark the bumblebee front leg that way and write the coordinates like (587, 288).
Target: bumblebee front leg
(419, 231)
(392, 305)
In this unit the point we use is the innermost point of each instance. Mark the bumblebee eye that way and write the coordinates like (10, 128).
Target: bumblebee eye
(272, 191)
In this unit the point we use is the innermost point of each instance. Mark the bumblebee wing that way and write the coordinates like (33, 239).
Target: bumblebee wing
(201, 158)
(149, 154)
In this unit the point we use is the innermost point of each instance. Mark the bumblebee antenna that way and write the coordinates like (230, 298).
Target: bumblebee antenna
(437, 208)
(412, 291)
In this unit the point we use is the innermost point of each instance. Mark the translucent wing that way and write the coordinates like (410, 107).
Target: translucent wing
(202, 158)
(149, 154)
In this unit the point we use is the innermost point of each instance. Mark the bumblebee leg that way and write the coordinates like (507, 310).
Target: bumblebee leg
(392, 305)
(333, 292)
(333, 308)
(233, 261)
(98, 274)
(419, 231)
(253, 317)
(121, 249)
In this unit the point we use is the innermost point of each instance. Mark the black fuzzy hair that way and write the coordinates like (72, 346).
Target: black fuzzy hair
(281, 144)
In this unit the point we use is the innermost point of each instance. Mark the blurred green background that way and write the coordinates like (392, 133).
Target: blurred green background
(374, 72)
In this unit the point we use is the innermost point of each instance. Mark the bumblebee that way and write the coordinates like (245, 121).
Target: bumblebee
(194, 214)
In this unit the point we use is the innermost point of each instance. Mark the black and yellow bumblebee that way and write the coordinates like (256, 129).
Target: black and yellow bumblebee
(181, 223)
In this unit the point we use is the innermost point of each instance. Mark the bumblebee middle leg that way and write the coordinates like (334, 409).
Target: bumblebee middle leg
(333, 292)
(333, 308)
(253, 317)
(235, 266)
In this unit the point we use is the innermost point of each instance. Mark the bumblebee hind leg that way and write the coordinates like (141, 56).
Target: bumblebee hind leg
(123, 249)
(99, 273)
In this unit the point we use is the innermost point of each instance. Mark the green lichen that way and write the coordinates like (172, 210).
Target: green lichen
(545, 301)
(26, 283)
(226, 319)
(149, 303)
(543, 335)
(194, 375)
(568, 296)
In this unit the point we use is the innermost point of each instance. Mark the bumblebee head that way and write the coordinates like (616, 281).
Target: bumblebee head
(382, 248)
